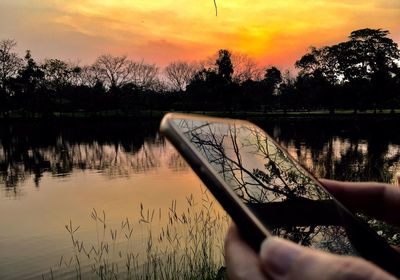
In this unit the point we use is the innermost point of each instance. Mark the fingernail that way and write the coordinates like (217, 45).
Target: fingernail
(278, 255)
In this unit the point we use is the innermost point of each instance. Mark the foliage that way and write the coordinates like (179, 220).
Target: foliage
(10, 63)
(361, 73)
(224, 64)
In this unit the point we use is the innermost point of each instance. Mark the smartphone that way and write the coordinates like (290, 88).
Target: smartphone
(267, 192)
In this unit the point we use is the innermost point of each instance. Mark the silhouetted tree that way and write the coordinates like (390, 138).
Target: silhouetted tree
(114, 71)
(202, 88)
(288, 95)
(362, 67)
(367, 52)
(360, 73)
(244, 68)
(321, 63)
(316, 78)
(88, 76)
(224, 64)
(272, 78)
(180, 73)
(144, 76)
(252, 95)
(10, 63)
(58, 74)
(27, 82)
(366, 62)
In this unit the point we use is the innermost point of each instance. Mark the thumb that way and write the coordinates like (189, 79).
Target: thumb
(282, 259)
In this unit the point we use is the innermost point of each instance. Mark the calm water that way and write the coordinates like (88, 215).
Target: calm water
(54, 173)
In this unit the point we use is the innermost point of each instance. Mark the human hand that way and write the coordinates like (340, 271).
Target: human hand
(378, 200)
(281, 259)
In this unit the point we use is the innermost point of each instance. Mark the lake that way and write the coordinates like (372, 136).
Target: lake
(83, 197)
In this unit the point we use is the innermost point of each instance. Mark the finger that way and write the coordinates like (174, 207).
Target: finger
(282, 259)
(241, 260)
(379, 200)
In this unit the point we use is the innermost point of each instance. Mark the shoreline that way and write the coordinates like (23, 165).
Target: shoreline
(339, 115)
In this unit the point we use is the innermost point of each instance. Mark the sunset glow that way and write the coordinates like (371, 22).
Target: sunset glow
(273, 32)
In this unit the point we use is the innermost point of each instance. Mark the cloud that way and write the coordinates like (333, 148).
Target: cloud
(165, 30)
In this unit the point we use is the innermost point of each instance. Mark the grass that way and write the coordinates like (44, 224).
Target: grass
(184, 244)
(175, 243)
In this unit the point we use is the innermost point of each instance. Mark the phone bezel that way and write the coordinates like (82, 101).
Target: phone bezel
(232, 204)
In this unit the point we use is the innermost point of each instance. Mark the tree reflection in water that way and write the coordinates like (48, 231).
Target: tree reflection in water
(339, 150)
(342, 150)
(114, 149)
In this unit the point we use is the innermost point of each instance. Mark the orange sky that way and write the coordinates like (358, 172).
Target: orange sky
(272, 31)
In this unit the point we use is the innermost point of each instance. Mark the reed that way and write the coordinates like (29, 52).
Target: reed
(163, 244)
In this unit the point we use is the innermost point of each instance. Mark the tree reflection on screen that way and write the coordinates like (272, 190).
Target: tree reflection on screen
(277, 189)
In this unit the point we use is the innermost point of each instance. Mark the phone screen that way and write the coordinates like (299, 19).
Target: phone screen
(276, 189)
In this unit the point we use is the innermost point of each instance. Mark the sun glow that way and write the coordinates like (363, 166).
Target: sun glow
(273, 32)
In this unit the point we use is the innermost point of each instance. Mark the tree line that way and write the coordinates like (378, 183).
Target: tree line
(358, 74)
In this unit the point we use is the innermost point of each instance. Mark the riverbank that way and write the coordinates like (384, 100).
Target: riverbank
(254, 115)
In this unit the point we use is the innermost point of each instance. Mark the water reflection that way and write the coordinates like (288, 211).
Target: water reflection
(339, 150)
(114, 149)
(78, 166)
(343, 150)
